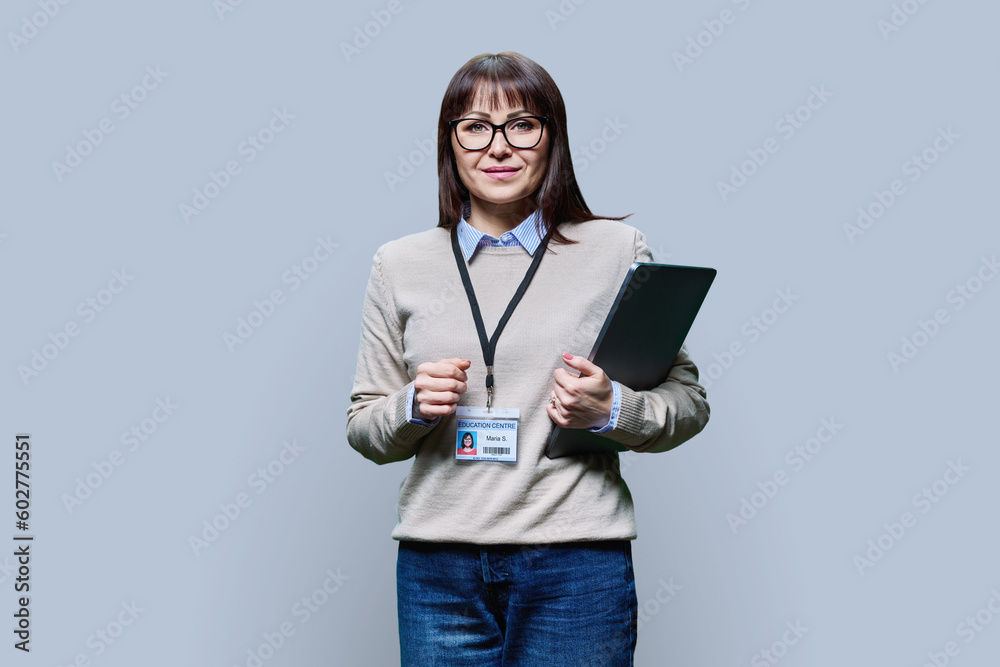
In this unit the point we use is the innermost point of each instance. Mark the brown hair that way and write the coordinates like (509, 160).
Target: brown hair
(511, 78)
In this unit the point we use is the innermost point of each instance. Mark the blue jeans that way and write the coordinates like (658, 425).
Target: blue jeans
(570, 604)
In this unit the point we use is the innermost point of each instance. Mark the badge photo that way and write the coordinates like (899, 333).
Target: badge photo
(466, 443)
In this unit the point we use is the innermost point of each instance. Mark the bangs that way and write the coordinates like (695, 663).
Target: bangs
(491, 81)
(490, 93)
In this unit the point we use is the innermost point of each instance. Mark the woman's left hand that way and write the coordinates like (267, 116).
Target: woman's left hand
(580, 402)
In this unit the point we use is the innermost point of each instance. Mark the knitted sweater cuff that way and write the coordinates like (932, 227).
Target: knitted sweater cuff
(631, 419)
(402, 426)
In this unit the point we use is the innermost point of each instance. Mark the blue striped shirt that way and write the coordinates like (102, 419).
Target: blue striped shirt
(526, 236)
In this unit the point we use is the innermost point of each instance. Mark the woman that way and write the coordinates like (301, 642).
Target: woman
(537, 568)
(468, 444)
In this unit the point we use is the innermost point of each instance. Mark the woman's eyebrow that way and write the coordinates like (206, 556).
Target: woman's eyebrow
(522, 112)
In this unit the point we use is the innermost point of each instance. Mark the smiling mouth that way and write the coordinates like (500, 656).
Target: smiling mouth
(500, 172)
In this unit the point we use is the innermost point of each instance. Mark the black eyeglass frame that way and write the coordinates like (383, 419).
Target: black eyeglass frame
(502, 128)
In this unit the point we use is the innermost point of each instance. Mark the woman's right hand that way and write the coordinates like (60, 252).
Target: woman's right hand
(439, 386)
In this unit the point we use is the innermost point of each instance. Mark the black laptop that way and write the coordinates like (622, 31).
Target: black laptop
(647, 325)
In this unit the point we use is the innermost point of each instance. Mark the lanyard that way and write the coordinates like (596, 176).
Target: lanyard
(489, 345)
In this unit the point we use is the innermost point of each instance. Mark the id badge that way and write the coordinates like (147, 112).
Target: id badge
(486, 435)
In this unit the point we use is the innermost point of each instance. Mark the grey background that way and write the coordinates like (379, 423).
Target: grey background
(324, 175)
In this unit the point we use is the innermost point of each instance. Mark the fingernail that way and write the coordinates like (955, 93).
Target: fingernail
(567, 356)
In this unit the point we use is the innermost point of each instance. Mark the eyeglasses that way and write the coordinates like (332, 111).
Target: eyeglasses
(475, 134)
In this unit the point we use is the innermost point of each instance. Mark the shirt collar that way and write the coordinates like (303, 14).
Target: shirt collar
(526, 234)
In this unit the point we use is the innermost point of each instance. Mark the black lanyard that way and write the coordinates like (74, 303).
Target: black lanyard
(489, 345)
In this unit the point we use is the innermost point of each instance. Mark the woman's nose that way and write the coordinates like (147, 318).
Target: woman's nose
(499, 146)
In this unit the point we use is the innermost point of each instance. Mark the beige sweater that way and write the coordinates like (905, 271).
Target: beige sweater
(416, 310)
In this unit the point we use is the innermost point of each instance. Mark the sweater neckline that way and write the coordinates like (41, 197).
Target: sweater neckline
(503, 250)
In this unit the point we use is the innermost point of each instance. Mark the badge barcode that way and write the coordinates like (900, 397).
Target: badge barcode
(496, 450)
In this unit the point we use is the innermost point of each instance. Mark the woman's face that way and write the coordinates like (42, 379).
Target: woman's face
(467, 441)
(500, 174)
